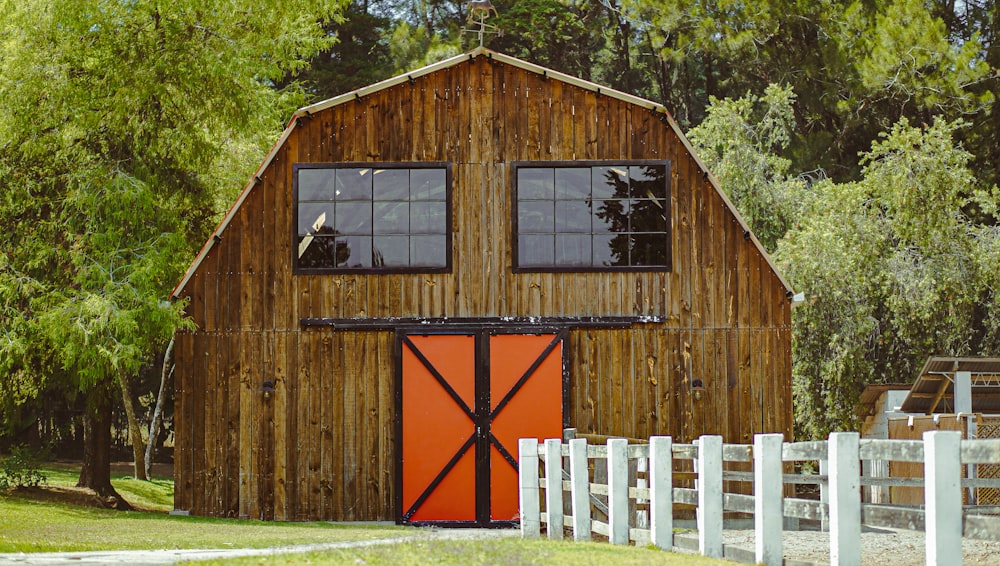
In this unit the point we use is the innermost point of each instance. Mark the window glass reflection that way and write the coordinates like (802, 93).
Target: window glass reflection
(427, 217)
(536, 251)
(535, 216)
(609, 182)
(572, 183)
(572, 216)
(353, 184)
(391, 217)
(315, 217)
(391, 184)
(316, 184)
(365, 218)
(353, 217)
(390, 251)
(428, 251)
(535, 183)
(597, 217)
(427, 184)
(573, 250)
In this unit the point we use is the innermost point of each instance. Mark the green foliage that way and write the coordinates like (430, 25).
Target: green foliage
(124, 127)
(21, 468)
(564, 36)
(893, 272)
(741, 143)
(856, 67)
(360, 56)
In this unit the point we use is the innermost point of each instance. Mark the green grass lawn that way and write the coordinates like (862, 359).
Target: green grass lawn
(58, 517)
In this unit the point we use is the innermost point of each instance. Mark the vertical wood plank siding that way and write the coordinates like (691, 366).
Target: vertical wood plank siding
(322, 445)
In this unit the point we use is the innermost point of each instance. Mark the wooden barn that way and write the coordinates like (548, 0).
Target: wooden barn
(428, 268)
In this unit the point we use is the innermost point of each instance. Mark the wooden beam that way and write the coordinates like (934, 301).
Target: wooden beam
(942, 388)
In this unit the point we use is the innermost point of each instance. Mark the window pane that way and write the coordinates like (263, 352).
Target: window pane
(391, 251)
(536, 251)
(609, 182)
(572, 216)
(573, 250)
(428, 251)
(390, 217)
(610, 216)
(317, 252)
(391, 184)
(573, 183)
(354, 217)
(354, 251)
(535, 183)
(535, 216)
(648, 216)
(315, 217)
(611, 250)
(649, 249)
(602, 216)
(427, 184)
(648, 181)
(354, 184)
(316, 184)
(428, 217)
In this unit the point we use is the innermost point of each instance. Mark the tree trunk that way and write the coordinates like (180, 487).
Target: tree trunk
(154, 426)
(134, 430)
(96, 471)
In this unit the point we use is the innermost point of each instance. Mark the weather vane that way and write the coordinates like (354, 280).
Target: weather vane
(478, 11)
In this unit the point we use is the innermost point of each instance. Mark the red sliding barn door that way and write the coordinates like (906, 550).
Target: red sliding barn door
(464, 401)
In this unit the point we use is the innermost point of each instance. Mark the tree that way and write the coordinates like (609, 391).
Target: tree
(741, 142)
(119, 123)
(855, 67)
(893, 270)
(360, 56)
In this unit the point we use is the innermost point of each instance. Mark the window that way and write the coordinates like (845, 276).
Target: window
(587, 216)
(372, 217)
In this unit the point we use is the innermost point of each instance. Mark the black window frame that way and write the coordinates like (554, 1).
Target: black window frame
(515, 232)
(407, 165)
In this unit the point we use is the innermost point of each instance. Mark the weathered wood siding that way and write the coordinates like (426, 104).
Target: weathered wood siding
(322, 446)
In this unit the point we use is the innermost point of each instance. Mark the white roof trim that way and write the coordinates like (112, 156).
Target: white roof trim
(450, 62)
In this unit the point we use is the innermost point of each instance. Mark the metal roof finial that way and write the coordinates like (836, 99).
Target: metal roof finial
(477, 13)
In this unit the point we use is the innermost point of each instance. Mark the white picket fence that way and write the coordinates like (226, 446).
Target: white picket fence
(943, 453)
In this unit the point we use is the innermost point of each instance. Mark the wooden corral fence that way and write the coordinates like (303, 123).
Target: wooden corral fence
(942, 517)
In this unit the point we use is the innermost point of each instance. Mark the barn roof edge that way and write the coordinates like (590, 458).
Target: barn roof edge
(306, 111)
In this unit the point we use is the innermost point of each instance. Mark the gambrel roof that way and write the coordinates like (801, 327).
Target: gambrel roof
(410, 76)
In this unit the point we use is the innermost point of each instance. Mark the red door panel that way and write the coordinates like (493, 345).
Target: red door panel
(533, 410)
(453, 471)
(437, 428)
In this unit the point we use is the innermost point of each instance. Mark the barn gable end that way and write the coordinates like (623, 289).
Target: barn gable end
(322, 444)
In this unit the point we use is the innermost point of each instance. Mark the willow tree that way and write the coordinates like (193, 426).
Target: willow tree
(895, 268)
(120, 125)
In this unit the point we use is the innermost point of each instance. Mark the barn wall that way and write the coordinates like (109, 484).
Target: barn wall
(322, 446)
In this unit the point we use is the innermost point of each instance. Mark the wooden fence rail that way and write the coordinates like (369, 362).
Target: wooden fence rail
(943, 454)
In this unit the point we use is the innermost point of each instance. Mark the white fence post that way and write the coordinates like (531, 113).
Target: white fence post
(661, 492)
(618, 490)
(767, 498)
(579, 478)
(845, 498)
(527, 449)
(943, 497)
(553, 488)
(710, 496)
